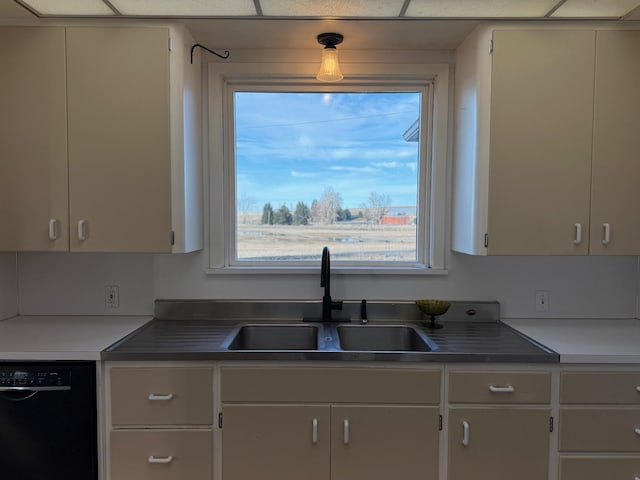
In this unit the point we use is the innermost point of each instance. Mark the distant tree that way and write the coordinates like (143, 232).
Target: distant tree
(301, 214)
(267, 214)
(343, 215)
(328, 205)
(376, 207)
(282, 216)
(245, 205)
(314, 212)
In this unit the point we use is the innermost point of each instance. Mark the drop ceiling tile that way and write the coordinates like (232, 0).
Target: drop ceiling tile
(331, 8)
(480, 8)
(595, 8)
(69, 7)
(185, 8)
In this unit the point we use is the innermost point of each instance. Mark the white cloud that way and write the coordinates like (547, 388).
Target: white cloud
(303, 174)
(387, 164)
(352, 169)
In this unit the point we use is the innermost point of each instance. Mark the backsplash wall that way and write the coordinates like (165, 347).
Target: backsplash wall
(579, 287)
(8, 286)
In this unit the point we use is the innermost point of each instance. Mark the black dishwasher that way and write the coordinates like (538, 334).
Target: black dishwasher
(48, 421)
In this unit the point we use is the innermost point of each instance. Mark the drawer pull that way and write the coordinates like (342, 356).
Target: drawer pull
(82, 234)
(506, 389)
(163, 460)
(155, 397)
(465, 433)
(606, 236)
(53, 235)
(345, 432)
(578, 238)
(638, 388)
(314, 431)
(637, 430)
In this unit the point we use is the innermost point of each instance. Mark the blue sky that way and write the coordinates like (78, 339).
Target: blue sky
(291, 146)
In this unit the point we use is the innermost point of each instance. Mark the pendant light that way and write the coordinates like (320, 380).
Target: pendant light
(329, 68)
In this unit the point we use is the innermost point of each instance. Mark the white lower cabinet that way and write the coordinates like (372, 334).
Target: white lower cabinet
(344, 422)
(337, 442)
(274, 430)
(498, 425)
(160, 424)
(599, 425)
(498, 443)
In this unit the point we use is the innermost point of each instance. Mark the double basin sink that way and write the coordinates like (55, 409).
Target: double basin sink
(345, 337)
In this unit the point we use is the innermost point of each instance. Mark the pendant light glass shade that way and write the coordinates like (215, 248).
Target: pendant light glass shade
(330, 68)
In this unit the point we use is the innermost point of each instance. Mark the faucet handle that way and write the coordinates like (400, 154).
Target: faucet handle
(363, 312)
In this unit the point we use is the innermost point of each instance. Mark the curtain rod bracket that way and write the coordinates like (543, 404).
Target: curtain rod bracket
(226, 52)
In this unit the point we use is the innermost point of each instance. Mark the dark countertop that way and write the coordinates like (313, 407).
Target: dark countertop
(205, 339)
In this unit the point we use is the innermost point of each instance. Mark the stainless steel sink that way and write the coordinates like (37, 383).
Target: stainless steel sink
(383, 338)
(275, 337)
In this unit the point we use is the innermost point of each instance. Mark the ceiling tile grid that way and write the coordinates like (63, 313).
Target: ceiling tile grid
(388, 9)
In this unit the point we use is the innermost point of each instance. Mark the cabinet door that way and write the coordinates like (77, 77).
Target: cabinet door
(119, 152)
(616, 143)
(33, 136)
(540, 142)
(275, 442)
(498, 443)
(382, 442)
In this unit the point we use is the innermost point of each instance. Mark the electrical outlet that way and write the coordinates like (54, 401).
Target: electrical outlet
(111, 296)
(542, 301)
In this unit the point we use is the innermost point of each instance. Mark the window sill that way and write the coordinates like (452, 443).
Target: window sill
(336, 270)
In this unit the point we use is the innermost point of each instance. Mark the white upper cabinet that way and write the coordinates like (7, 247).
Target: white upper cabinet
(615, 190)
(529, 117)
(33, 140)
(131, 168)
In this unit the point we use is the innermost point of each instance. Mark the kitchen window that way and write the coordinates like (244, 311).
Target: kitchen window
(358, 166)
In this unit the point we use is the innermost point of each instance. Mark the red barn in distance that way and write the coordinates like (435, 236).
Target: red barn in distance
(395, 220)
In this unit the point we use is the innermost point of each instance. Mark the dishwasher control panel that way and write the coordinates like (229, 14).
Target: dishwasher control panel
(34, 377)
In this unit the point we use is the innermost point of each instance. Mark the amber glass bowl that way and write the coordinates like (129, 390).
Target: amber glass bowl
(433, 308)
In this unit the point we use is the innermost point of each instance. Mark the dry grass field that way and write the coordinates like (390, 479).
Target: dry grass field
(351, 241)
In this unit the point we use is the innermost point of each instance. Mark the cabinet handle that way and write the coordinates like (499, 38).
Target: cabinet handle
(165, 460)
(465, 433)
(314, 431)
(505, 389)
(637, 430)
(578, 238)
(345, 432)
(638, 389)
(155, 397)
(81, 230)
(606, 236)
(52, 229)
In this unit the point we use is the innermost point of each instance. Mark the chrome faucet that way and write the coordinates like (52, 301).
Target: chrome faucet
(325, 281)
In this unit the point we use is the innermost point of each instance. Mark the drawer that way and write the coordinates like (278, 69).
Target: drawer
(499, 387)
(621, 388)
(599, 468)
(161, 396)
(599, 430)
(161, 455)
(327, 385)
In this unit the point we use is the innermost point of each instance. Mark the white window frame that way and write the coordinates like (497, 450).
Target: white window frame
(221, 206)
